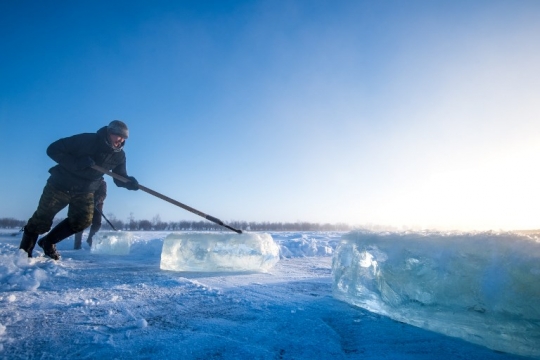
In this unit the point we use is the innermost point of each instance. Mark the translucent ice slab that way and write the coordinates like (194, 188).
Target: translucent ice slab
(111, 243)
(216, 252)
(484, 288)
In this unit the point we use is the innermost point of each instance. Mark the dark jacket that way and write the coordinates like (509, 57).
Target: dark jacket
(72, 154)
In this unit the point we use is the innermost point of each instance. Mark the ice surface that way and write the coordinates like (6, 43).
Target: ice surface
(111, 243)
(484, 288)
(120, 307)
(219, 252)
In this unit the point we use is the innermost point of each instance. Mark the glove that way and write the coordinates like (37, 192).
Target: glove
(85, 163)
(133, 184)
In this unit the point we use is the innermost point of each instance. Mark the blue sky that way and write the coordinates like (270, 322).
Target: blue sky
(400, 113)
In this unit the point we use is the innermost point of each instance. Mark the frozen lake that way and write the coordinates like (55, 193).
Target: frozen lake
(124, 306)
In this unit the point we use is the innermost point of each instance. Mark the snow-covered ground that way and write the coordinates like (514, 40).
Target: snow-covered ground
(89, 306)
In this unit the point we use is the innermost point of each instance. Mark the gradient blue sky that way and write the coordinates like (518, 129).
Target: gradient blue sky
(399, 113)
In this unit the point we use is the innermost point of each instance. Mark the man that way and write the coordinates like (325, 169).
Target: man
(99, 199)
(73, 182)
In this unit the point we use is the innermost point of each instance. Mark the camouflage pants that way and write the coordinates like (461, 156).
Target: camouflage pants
(99, 199)
(52, 201)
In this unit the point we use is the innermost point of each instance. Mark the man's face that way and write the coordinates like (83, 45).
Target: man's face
(116, 140)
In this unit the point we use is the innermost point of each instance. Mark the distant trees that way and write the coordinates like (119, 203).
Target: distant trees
(11, 223)
(158, 224)
(283, 226)
(117, 223)
(202, 225)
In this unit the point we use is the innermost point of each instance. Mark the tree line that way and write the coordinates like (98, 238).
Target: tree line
(184, 225)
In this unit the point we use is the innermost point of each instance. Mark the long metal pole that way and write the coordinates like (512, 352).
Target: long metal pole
(107, 220)
(166, 198)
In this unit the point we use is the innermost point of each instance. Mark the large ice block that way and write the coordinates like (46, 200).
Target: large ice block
(111, 243)
(216, 252)
(483, 288)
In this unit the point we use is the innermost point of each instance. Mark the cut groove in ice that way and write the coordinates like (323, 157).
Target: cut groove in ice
(211, 252)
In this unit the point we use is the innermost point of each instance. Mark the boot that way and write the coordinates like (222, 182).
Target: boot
(49, 249)
(77, 245)
(89, 238)
(59, 233)
(28, 241)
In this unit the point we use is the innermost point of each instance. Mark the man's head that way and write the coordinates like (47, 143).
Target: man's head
(117, 132)
(119, 128)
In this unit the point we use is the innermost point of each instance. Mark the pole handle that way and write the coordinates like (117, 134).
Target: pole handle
(166, 198)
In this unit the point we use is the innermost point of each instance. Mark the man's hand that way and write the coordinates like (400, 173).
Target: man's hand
(133, 184)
